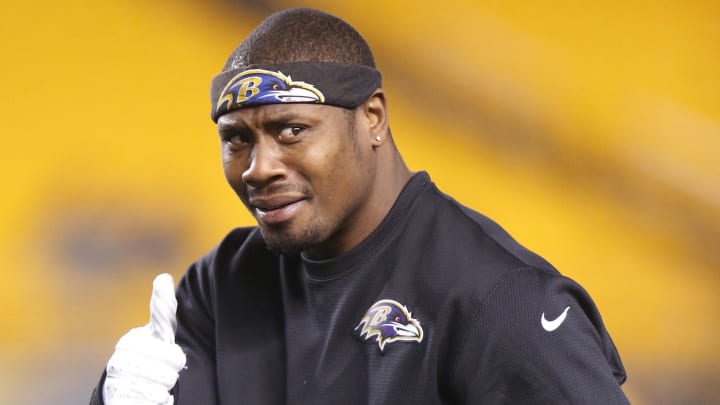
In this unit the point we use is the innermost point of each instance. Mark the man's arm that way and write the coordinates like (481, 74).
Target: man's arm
(538, 339)
(145, 364)
(196, 335)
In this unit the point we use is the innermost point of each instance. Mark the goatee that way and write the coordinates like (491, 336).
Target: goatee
(283, 241)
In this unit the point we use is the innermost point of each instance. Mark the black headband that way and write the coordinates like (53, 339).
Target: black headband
(337, 84)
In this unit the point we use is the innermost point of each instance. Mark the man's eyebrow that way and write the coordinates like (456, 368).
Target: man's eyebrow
(271, 122)
(230, 126)
(279, 119)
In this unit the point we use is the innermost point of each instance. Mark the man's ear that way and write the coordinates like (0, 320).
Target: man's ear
(376, 114)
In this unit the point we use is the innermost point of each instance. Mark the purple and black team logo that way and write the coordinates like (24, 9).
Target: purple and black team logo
(389, 321)
(260, 86)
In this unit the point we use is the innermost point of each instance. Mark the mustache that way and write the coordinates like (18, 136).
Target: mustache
(282, 188)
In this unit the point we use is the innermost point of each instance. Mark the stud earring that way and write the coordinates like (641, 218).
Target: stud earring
(377, 138)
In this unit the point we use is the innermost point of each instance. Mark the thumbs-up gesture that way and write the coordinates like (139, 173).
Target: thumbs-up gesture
(146, 362)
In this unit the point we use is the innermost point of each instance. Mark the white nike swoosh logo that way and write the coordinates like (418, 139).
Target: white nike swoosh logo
(555, 323)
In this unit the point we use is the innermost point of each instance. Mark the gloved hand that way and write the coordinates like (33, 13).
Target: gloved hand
(146, 362)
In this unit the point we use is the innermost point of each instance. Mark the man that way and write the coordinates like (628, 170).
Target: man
(362, 283)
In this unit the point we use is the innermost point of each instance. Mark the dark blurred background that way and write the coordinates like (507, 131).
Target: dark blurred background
(591, 132)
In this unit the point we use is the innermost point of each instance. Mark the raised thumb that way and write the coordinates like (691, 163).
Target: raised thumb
(163, 306)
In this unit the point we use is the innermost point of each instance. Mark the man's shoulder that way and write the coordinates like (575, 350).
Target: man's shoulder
(473, 235)
(458, 253)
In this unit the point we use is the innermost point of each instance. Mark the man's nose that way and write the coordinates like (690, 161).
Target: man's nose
(265, 166)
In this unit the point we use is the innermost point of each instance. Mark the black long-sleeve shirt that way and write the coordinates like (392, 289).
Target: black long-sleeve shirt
(438, 305)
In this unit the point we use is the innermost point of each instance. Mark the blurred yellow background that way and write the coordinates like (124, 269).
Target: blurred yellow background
(591, 132)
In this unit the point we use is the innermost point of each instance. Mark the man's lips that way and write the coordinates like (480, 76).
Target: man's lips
(276, 209)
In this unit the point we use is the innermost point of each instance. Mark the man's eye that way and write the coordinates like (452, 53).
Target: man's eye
(235, 139)
(290, 133)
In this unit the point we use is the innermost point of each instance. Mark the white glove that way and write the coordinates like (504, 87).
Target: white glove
(146, 362)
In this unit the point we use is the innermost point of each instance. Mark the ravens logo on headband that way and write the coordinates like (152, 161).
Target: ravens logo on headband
(389, 321)
(260, 86)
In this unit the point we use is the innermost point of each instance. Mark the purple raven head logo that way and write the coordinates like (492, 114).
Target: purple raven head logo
(389, 321)
(260, 86)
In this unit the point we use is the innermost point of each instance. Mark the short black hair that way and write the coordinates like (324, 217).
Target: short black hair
(301, 35)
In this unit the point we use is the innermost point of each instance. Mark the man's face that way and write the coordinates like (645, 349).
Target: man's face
(306, 173)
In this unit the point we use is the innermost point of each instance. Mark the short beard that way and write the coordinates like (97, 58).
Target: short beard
(282, 242)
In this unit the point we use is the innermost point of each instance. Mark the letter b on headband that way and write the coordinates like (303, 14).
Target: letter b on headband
(248, 89)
